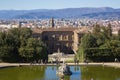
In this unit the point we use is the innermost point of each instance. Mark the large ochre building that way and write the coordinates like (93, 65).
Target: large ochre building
(65, 39)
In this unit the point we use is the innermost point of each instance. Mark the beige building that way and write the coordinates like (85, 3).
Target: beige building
(62, 39)
(66, 40)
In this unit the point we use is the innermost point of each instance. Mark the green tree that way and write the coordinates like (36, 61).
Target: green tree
(109, 30)
(40, 50)
(26, 53)
(119, 34)
(33, 50)
(99, 46)
(6, 53)
(96, 29)
(87, 41)
(25, 33)
(17, 44)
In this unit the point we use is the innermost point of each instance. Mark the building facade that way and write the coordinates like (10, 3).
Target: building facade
(66, 40)
(59, 39)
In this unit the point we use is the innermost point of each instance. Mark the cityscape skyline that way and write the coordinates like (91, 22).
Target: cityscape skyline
(55, 4)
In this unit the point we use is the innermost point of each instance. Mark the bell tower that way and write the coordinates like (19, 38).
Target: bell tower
(52, 22)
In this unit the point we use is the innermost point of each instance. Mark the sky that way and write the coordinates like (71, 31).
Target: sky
(55, 4)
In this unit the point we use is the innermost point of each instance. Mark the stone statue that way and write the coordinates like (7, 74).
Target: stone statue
(63, 70)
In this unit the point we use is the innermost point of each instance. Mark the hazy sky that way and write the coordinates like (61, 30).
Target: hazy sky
(56, 4)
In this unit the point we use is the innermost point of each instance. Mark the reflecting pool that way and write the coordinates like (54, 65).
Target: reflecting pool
(49, 73)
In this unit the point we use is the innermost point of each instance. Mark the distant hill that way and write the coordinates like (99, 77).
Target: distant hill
(104, 13)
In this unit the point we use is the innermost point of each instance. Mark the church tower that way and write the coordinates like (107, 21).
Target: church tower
(52, 23)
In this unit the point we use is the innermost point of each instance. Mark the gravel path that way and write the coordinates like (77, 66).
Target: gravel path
(2, 65)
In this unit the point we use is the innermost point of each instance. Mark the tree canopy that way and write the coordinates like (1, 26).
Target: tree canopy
(17, 45)
(100, 45)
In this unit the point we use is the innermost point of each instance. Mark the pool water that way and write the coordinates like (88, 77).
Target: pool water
(49, 73)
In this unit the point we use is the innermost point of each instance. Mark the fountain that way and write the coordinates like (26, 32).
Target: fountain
(63, 70)
(57, 56)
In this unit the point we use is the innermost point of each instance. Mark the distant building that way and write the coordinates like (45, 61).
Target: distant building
(66, 40)
(52, 23)
(63, 39)
(21, 23)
